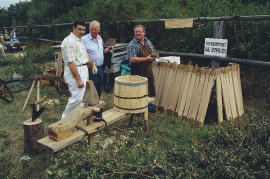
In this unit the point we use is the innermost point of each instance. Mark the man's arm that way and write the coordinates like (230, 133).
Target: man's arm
(141, 59)
(91, 63)
(76, 75)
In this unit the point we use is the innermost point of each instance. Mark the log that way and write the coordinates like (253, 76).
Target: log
(47, 77)
(73, 118)
(33, 131)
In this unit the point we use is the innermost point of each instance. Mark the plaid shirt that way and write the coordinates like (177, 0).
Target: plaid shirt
(73, 50)
(133, 47)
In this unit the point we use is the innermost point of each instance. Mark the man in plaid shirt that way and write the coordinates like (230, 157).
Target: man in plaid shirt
(142, 65)
(76, 60)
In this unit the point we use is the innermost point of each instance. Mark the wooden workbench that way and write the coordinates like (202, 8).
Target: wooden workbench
(111, 116)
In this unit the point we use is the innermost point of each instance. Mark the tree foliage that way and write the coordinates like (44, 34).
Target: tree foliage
(112, 13)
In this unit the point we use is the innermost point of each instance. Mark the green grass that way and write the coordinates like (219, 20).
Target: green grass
(169, 149)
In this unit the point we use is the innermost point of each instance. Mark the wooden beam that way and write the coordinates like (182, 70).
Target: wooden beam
(73, 118)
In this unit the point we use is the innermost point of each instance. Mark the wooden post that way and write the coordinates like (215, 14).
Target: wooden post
(91, 140)
(33, 131)
(218, 33)
(38, 83)
(28, 94)
(146, 118)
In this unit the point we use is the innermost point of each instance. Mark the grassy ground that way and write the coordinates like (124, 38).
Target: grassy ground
(167, 150)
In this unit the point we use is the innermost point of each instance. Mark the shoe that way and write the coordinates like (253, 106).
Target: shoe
(152, 111)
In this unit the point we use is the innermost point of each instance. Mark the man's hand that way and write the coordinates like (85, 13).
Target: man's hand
(94, 69)
(151, 58)
(80, 83)
(107, 50)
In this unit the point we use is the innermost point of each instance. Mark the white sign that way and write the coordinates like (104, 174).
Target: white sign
(215, 47)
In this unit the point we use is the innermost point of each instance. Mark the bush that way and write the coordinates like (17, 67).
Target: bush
(32, 62)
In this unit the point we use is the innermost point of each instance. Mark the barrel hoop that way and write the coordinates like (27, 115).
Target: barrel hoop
(130, 108)
(131, 84)
(131, 97)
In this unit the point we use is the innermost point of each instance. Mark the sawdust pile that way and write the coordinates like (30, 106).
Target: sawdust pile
(51, 102)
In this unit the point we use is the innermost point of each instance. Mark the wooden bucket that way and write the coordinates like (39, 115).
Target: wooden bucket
(131, 94)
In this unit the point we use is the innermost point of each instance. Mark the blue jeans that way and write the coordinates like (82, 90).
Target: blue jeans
(97, 80)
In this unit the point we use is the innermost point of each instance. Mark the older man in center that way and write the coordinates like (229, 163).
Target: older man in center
(94, 46)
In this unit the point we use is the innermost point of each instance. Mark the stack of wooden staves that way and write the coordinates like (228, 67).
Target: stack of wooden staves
(184, 91)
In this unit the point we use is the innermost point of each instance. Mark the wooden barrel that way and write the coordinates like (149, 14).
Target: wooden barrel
(131, 94)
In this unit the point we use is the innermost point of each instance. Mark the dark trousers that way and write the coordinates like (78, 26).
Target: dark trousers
(97, 80)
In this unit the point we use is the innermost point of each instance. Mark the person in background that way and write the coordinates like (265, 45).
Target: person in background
(141, 64)
(77, 62)
(94, 46)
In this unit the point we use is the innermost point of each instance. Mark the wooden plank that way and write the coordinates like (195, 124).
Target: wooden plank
(174, 67)
(205, 98)
(194, 77)
(175, 90)
(197, 94)
(59, 67)
(225, 95)
(219, 97)
(167, 87)
(76, 136)
(182, 23)
(238, 89)
(183, 96)
(156, 68)
(161, 77)
(61, 135)
(240, 92)
(231, 93)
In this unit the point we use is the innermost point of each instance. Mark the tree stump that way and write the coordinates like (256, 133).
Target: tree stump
(33, 131)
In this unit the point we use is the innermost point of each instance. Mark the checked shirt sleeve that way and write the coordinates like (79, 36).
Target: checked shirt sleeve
(132, 50)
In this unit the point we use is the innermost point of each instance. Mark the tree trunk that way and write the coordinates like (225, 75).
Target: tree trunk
(33, 131)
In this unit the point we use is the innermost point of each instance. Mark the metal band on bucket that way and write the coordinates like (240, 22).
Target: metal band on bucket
(131, 84)
(130, 108)
(131, 97)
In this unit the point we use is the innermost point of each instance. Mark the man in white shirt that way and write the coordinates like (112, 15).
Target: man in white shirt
(76, 60)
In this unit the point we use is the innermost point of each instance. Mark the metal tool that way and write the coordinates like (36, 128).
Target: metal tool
(3, 94)
(98, 118)
(36, 113)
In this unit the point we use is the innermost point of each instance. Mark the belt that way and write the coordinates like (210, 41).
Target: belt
(82, 65)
